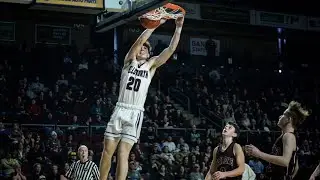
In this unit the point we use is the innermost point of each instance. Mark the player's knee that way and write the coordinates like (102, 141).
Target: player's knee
(109, 148)
(107, 153)
(123, 154)
(124, 151)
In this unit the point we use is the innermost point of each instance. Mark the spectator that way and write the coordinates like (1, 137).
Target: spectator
(305, 149)
(206, 163)
(37, 173)
(70, 142)
(29, 139)
(139, 154)
(9, 164)
(96, 109)
(132, 157)
(182, 145)
(34, 109)
(186, 164)
(53, 141)
(16, 134)
(149, 137)
(37, 86)
(65, 168)
(179, 118)
(257, 166)
(50, 120)
(196, 150)
(211, 132)
(113, 165)
(194, 135)
(18, 175)
(90, 156)
(133, 173)
(170, 144)
(162, 174)
(113, 95)
(245, 122)
(62, 81)
(166, 155)
(54, 173)
(181, 174)
(196, 174)
(20, 153)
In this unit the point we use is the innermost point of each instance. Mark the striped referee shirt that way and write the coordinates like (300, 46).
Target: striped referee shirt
(83, 171)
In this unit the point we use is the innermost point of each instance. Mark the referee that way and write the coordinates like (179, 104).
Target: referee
(83, 169)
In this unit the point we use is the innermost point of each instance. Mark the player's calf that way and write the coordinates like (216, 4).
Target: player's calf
(106, 156)
(122, 159)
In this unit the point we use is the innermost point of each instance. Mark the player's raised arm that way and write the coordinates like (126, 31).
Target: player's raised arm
(136, 47)
(213, 167)
(315, 173)
(166, 53)
(289, 143)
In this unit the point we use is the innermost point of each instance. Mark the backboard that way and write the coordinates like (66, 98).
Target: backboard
(119, 12)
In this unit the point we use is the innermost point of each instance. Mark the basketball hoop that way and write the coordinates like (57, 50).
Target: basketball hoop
(169, 11)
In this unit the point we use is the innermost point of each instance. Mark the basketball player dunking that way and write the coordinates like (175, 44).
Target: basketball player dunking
(228, 158)
(124, 127)
(283, 159)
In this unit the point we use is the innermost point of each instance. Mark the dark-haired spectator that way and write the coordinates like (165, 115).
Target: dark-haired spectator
(133, 173)
(54, 173)
(37, 173)
(16, 134)
(181, 174)
(149, 136)
(196, 173)
(34, 110)
(162, 173)
(194, 135)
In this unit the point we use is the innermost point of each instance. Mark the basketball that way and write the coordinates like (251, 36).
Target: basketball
(149, 24)
(153, 18)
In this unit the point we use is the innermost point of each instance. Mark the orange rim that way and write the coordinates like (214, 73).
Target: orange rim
(175, 7)
(172, 7)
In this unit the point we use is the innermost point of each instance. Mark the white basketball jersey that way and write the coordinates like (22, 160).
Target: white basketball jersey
(134, 83)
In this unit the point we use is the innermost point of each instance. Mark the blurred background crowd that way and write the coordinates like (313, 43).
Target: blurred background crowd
(59, 83)
(49, 108)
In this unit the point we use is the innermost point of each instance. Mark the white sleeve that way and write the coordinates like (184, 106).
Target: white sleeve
(248, 173)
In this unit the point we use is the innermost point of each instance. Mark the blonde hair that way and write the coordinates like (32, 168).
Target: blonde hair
(148, 45)
(297, 113)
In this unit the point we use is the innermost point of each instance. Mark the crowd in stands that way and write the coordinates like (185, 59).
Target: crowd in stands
(254, 97)
(61, 87)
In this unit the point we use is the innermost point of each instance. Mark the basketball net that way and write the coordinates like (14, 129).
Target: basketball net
(163, 13)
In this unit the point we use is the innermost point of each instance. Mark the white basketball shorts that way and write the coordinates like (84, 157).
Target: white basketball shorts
(125, 122)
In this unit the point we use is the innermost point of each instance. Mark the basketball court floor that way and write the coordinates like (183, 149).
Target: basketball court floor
(119, 12)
